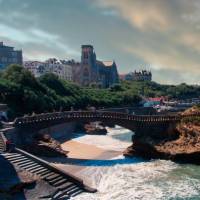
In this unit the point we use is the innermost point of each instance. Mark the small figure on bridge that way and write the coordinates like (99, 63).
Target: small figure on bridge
(71, 109)
(92, 108)
(33, 113)
(61, 108)
(10, 146)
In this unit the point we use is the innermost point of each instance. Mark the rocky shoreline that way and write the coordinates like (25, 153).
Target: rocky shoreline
(182, 145)
(95, 129)
(45, 145)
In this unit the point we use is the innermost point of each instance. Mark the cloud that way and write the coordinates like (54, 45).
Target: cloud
(26, 27)
(166, 34)
(141, 13)
(174, 77)
(110, 13)
(173, 60)
(38, 37)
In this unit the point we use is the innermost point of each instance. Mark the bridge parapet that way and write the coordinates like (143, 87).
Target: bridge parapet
(99, 115)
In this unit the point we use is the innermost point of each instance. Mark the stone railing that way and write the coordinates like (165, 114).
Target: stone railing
(97, 115)
(2, 142)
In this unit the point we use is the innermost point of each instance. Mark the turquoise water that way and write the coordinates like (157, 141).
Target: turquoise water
(122, 178)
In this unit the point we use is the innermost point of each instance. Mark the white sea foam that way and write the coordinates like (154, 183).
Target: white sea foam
(117, 130)
(145, 181)
(107, 141)
(121, 178)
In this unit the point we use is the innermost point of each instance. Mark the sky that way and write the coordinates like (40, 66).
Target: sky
(158, 35)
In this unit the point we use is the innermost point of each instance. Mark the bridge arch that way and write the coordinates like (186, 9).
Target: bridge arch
(131, 122)
(155, 126)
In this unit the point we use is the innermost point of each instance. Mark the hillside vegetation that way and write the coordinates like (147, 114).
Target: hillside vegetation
(153, 89)
(25, 94)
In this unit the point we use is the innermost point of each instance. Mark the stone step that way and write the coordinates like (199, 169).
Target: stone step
(68, 192)
(37, 170)
(30, 163)
(18, 160)
(47, 172)
(52, 181)
(65, 185)
(59, 183)
(26, 164)
(44, 174)
(9, 156)
(51, 177)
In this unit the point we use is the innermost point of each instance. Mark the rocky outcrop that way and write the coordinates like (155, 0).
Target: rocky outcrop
(95, 129)
(44, 145)
(14, 181)
(182, 144)
(18, 184)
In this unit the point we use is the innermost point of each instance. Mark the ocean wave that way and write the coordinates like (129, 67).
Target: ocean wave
(117, 139)
(123, 178)
(154, 180)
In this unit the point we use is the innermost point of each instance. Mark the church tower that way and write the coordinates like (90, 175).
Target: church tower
(89, 71)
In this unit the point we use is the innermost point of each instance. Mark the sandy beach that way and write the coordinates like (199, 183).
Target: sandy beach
(79, 154)
(87, 151)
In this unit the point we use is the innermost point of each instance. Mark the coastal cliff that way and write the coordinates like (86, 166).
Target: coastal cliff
(182, 143)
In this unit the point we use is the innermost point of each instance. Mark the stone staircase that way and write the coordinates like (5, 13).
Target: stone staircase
(2, 142)
(66, 185)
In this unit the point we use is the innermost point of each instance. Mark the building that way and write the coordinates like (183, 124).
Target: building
(59, 67)
(9, 56)
(108, 74)
(154, 101)
(89, 71)
(129, 77)
(75, 69)
(35, 67)
(143, 75)
(92, 71)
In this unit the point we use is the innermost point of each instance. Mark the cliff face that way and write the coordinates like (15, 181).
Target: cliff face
(181, 144)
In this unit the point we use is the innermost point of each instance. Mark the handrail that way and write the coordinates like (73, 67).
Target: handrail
(70, 176)
(98, 114)
(4, 140)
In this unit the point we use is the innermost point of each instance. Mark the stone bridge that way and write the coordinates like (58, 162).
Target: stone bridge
(156, 125)
(131, 122)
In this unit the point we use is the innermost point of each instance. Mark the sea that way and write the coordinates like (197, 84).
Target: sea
(121, 178)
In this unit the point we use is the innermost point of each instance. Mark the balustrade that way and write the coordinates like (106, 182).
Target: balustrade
(86, 114)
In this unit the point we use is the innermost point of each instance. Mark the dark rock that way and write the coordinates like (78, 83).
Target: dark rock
(44, 145)
(95, 129)
(184, 148)
(13, 181)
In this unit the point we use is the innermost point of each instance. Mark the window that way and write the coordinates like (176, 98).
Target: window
(85, 55)
(85, 72)
(4, 59)
(14, 54)
(14, 60)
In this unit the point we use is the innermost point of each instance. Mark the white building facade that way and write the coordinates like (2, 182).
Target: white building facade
(52, 65)
(35, 67)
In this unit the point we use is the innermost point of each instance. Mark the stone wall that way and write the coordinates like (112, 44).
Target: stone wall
(61, 130)
(24, 136)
